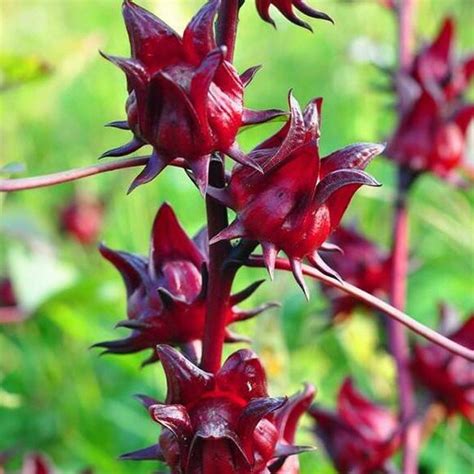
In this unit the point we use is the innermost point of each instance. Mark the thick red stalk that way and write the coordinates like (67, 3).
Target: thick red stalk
(398, 341)
(220, 277)
(227, 25)
(367, 298)
(397, 337)
(406, 18)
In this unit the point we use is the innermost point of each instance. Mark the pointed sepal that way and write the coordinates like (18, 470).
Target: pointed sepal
(130, 147)
(336, 180)
(245, 293)
(269, 257)
(234, 231)
(356, 156)
(244, 374)
(297, 270)
(238, 155)
(248, 75)
(155, 165)
(185, 381)
(151, 453)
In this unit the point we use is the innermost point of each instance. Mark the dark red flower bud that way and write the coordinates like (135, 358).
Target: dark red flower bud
(360, 262)
(220, 423)
(300, 199)
(36, 464)
(360, 436)
(7, 294)
(33, 463)
(286, 7)
(286, 420)
(82, 219)
(436, 65)
(448, 377)
(10, 311)
(431, 134)
(166, 292)
(185, 98)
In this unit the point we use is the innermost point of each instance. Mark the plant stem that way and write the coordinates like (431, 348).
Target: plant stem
(21, 184)
(10, 315)
(406, 17)
(226, 28)
(221, 276)
(419, 328)
(397, 337)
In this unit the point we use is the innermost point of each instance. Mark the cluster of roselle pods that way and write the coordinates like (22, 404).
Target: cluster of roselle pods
(186, 101)
(432, 132)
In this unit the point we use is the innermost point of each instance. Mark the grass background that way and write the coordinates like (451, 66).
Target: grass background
(61, 398)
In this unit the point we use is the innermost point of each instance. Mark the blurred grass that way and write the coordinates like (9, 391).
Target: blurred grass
(59, 397)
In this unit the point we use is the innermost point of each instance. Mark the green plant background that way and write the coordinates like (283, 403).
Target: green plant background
(58, 396)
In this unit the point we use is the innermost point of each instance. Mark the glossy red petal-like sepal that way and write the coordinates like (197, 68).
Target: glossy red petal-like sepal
(243, 372)
(152, 41)
(185, 381)
(176, 419)
(198, 38)
(257, 409)
(336, 180)
(357, 156)
(169, 240)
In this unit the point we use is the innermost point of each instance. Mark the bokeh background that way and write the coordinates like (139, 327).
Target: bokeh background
(58, 396)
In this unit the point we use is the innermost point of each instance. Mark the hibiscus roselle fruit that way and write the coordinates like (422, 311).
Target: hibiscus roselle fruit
(186, 103)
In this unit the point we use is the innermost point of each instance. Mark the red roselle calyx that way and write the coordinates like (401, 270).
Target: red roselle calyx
(82, 219)
(36, 464)
(431, 134)
(300, 199)
(10, 311)
(449, 378)
(7, 293)
(286, 420)
(225, 422)
(185, 99)
(360, 262)
(287, 7)
(360, 436)
(33, 463)
(166, 292)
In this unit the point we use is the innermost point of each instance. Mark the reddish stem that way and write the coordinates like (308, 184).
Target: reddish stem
(397, 337)
(220, 276)
(367, 298)
(11, 315)
(398, 341)
(406, 17)
(227, 25)
(21, 184)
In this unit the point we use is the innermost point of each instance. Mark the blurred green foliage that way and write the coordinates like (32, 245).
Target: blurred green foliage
(61, 398)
